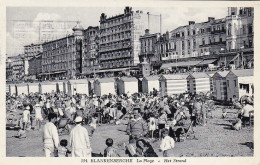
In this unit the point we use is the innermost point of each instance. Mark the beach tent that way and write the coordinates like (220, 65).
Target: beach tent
(198, 82)
(78, 86)
(13, 89)
(34, 87)
(91, 86)
(211, 81)
(173, 84)
(48, 87)
(104, 86)
(62, 86)
(22, 88)
(220, 86)
(149, 83)
(127, 85)
(240, 83)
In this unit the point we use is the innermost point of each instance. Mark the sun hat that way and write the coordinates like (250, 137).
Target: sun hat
(28, 107)
(78, 119)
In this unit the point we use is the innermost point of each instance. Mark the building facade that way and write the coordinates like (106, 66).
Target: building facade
(148, 49)
(32, 50)
(16, 68)
(219, 38)
(119, 38)
(35, 67)
(62, 58)
(91, 50)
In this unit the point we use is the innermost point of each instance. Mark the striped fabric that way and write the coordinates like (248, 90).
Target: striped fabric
(7, 89)
(176, 86)
(202, 85)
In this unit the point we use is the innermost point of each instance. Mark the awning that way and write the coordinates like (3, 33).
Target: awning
(206, 62)
(234, 58)
(52, 73)
(112, 70)
(59, 72)
(180, 64)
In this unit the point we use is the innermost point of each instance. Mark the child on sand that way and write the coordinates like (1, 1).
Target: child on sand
(167, 143)
(93, 123)
(110, 151)
(152, 125)
(62, 150)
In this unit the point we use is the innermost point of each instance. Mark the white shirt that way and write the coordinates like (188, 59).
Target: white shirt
(79, 140)
(26, 115)
(50, 134)
(167, 143)
(38, 112)
(246, 109)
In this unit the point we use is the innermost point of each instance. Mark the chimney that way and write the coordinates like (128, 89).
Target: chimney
(191, 22)
(210, 19)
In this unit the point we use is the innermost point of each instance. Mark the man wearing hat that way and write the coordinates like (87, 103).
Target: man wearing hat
(79, 140)
(136, 127)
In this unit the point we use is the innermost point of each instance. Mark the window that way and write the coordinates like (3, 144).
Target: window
(227, 83)
(229, 29)
(235, 83)
(244, 29)
(182, 34)
(249, 12)
(194, 43)
(194, 32)
(250, 29)
(250, 43)
(203, 41)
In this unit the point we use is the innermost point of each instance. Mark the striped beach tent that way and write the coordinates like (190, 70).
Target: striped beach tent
(173, 84)
(198, 82)
(220, 85)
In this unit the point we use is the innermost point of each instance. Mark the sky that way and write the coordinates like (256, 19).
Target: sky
(89, 16)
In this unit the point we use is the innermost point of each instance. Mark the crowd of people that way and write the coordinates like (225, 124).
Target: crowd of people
(150, 117)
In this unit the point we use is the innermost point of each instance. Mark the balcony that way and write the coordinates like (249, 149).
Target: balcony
(218, 31)
(115, 57)
(218, 43)
(204, 45)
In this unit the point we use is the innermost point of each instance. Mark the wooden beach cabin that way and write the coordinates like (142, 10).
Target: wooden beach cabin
(104, 86)
(240, 83)
(34, 87)
(22, 88)
(48, 87)
(78, 86)
(12, 89)
(127, 85)
(198, 82)
(150, 82)
(220, 86)
(172, 84)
